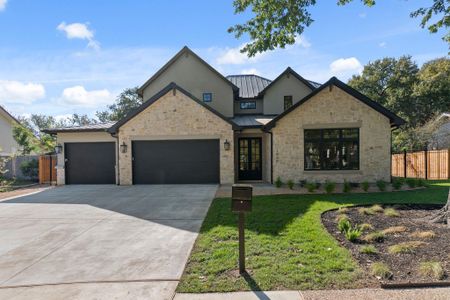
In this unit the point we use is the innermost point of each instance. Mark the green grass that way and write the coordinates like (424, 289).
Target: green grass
(287, 246)
(376, 236)
(381, 270)
(368, 249)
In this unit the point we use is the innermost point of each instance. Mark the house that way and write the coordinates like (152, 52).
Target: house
(8, 145)
(198, 126)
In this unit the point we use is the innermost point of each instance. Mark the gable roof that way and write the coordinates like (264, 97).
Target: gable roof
(4, 112)
(250, 86)
(184, 50)
(311, 85)
(394, 119)
(157, 96)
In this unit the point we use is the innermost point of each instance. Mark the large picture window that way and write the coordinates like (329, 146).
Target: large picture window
(332, 149)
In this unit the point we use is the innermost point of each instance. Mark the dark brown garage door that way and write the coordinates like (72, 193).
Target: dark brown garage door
(90, 163)
(171, 162)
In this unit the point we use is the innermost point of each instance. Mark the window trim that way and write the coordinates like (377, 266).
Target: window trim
(323, 140)
(247, 102)
(210, 95)
(290, 98)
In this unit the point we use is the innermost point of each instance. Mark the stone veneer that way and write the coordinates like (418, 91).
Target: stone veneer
(332, 109)
(176, 116)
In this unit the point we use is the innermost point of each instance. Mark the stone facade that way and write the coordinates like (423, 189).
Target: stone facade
(332, 108)
(176, 116)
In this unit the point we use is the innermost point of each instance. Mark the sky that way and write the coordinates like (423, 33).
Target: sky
(62, 57)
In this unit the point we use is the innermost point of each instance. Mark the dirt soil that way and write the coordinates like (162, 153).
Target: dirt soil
(403, 266)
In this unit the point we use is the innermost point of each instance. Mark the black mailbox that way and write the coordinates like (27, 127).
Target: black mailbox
(241, 198)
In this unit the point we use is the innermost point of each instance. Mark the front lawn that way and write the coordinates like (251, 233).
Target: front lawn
(287, 246)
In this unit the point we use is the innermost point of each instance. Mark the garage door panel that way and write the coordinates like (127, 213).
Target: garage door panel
(90, 163)
(172, 162)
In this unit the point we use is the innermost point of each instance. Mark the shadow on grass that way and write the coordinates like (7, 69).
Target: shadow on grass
(255, 287)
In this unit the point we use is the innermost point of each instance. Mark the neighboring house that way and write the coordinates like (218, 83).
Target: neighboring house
(441, 137)
(8, 145)
(198, 126)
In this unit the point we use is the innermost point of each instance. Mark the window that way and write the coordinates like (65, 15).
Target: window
(287, 102)
(248, 105)
(207, 97)
(332, 149)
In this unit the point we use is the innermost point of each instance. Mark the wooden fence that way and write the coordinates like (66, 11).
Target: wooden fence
(427, 164)
(47, 169)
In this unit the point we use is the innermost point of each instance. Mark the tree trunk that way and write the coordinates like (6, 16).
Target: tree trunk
(443, 215)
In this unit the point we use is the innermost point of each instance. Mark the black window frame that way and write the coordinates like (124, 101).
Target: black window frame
(321, 141)
(210, 97)
(253, 104)
(288, 98)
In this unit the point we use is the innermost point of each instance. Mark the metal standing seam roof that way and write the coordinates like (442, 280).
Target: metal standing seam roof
(91, 127)
(249, 85)
(252, 120)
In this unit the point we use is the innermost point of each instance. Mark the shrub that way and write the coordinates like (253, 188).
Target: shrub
(376, 236)
(343, 225)
(329, 186)
(423, 234)
(381, 270)
(302, 183)
(30, 168)
(391, 212)
(411, 182)
(311, 187)
(290, 184)
(366, 211)
(365, 227)
(347, 187)
(342, 216)
(397, 183)
(377, 208)
(394, 229)
(354, 184)
(352, 234)
(406, 247)
(432, 269)
(343, 210)
(318, 184)
(365, 186)
(381, 184)
(278, 182)
(368, 249)
(421, 182)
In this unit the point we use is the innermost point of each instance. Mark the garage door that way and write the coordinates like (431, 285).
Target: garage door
(90, 163)
(171, 162)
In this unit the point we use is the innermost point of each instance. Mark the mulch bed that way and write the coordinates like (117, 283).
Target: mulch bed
(405, 266)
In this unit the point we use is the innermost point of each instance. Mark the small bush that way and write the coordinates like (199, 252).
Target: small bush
(381, 270)
(432, 269)
(311, 187)
(318, 185)
(366, 211)
(352, 234)
(423, 234)
(381, 184)
(411, 182)
(344, 225)
(347, 187)
(341, 216)
(365, 186)
(394, 229)
(365, 227)
(377, 208)
(302, 183)
(329, 186)
(30, 168)
(278, 182)
(368, 249)
(406, 247)
(376, 236)
(397, 183)
(421, 182)
(343, 210)
(290, 184)
(391, 212)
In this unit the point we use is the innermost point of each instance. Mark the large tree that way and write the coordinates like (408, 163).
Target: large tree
(127, 101)
(276, 23)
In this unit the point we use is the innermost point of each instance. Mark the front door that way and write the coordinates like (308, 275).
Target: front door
(250, 163)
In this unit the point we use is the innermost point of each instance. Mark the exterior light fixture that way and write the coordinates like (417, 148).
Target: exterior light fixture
(123, 147)
(58, 149)
(226, 145)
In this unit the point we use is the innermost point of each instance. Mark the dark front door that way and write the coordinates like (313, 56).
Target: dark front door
(176, 161)
(250, 163)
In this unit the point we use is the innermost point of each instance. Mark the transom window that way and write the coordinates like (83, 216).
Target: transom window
(207, 97)
(287, 102)
(332, 149)
(248, 104)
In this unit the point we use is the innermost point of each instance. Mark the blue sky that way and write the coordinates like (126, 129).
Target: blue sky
(64, 57)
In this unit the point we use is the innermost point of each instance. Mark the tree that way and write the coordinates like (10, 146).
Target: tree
(276, 23)
(127, 101)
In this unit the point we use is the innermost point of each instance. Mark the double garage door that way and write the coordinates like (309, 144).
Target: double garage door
(154, 162)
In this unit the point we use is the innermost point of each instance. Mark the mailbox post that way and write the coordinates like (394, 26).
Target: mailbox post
(241, 203)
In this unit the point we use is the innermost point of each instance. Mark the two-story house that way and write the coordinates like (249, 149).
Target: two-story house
(198, 126)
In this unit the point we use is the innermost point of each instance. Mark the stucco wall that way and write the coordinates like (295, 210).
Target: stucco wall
(192, 75)
(176, 117)
(288, 85)
(332, 109)
(76, 137)
(8, 145)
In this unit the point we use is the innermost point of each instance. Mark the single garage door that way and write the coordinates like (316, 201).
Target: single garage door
(90, 163)
(177, 161)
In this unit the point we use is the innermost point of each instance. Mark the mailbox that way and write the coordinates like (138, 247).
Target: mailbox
(241, 198)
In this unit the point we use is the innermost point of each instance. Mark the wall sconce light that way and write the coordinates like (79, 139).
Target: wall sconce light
(123, 147)
(58, 149)
(226, 145)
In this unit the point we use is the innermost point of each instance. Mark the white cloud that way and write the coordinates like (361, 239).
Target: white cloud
(233, 56)
(362, 15)
(250, 71)
(3, 4)
(79, 96)
(345, 65)
(79, 31)
(302, 41)
(382, 44)
(20, 93)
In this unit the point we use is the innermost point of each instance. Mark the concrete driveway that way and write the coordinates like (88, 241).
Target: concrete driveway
(99, 242)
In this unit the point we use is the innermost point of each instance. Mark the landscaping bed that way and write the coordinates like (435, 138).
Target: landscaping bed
(7, 185)
(394, 243)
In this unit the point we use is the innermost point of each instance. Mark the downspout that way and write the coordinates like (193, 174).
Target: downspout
(117, 157)
(271, 157)
(390, 158)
